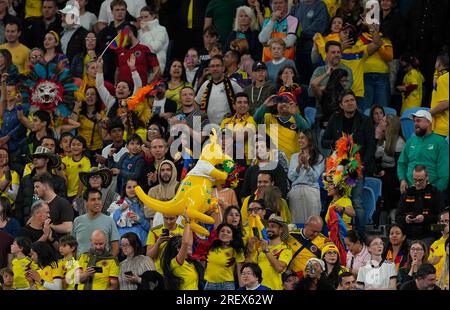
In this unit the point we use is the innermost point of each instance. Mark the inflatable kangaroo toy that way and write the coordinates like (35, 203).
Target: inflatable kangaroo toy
(194, 192)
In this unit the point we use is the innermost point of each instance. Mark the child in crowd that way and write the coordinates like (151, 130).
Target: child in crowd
(75, 163)
(277, 48)
(412, 83)
(21, 262)
(68, 249)
(64, 144)
(6, 279)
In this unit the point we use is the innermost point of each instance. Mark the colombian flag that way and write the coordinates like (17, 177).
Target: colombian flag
(120, 40)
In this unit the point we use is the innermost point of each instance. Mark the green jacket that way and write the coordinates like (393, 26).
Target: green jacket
(432, 152)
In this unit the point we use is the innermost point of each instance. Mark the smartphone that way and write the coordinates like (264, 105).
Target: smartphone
(98, 269)
(128, 273)
(165, 232)
(437, 227)
(255, 232)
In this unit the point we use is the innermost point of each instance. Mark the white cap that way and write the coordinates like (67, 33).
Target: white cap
(71, 7)
(422, 114)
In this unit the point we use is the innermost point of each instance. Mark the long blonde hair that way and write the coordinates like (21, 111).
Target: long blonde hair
(393, 133)
(442, 282)
(254, 25)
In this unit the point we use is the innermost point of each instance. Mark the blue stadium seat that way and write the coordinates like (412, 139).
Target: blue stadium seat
(407, 123)
(375, 184)
(310, 114)
(387, 111)
(369, 203)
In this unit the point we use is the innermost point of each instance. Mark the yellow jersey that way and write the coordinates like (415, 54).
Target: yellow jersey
(296, 240)
(237, 124)
(48, 274)
(187, 273)
(285, 212)
(342, 202)
(89, 130)
(221, 264)
(438, 249)
(285, 134)
(414, 98)
(272, 278)
(15, 180)
(154, 234)
(378, 62)
(332, 6)
(320, 42)
(68, 269)
(33, 8)
(73, 168)
(19, 268)
(110, 269)
(440, 93)
(354, 58)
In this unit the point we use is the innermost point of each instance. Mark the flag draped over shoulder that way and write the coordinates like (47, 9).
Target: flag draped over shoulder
(337, 231)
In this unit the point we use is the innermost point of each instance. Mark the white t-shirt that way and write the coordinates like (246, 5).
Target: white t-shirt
(88, 20)
(377, 277)
(218, 106)
(133, 7)
(158, 106)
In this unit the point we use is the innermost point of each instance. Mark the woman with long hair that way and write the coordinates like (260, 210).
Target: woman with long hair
(417, 255)
(318, 53)
(7, 66)
(9, 179)
(176, 81)
(241, 46)
(390, 145)
(225, 258)
(305, 169)
(396, 250)
(52, 50)
(275, 203)
(135, 264)
(443, 277)
(89, 53)
(328, 96)
(333, 265)
(376, 115)
(180, 271)
(8, 223)
(246, 27)
(358, 254)
(48, 275)
(288, 80)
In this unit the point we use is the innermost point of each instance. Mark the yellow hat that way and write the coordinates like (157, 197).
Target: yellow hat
(329, 247)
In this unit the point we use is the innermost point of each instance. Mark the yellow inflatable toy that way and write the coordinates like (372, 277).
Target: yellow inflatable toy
(194, 193)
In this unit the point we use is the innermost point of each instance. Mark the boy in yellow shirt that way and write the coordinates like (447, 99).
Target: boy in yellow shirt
(21, 263)
(68, 249)
(412, 83)
(74, 164)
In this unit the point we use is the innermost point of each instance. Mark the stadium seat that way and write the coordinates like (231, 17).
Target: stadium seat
(387, 111)
(407, 123)
(369, 203)
(375, 184)
(310, 114)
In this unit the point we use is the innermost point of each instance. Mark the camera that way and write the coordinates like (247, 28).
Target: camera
(98, 269)
(437, 227)
(165, 232)
(280, 99)
(128, 273)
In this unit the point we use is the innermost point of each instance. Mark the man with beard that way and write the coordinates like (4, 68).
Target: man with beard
(85, 225)
(73, 34)
(99, 269)
(164, 191)
(273, 256)
(424, 280)
(347, 282)
(158, 149)
(424, 148)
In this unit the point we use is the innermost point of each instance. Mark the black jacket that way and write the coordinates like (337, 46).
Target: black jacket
(393, 26)
(26, 193)
(363, 135)
(34, 31)
(427, 202)
(76, 43)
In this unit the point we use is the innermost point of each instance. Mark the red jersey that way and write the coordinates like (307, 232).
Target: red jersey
(145, 61)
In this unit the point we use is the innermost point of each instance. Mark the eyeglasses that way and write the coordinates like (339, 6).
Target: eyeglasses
(153, 129)
(419, 180)
(416, 250)
(251, 210)
(91, 38)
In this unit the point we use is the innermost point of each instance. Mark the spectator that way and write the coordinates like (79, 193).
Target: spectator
(231, 61)
(18, 51)
(219, 90)
(306, 243)
(246, 62)
(418, 151)
(131, 10)
(251, 275)
(43, 161)
(437, 249)
(176, 81)
(219, 273)
(314, 278)
(97, 257)
(424, 280)
(9, 179)
(8, 224)
(158, 238)
(118, 146)
(191, 64)
(439, 100)
(38, 228)
(7, 68)
(386, 275)
(72, 35)
(68, 249)
(333, 266)
(347, 282)
(38, 26)
(443, 278)
(351, 121)
(397, 248)
(376, 115)
(318, 54)
(88, 20)
(81, 62)
(4, 16)
(340, 203)
(163, 109)
(351, 11)
(153, 35)
(7, 276)
(85, 225)
(312, 17)
(417, 255)
(411, 87)
(49, 143)
(61, 212)
(48, 274)
(272, 256)
(221, 14)
(278, 61)
(155, 131)
(73, 164)
(135, 263)
(204, 73)
(130, 165)
(304, 171)
(246, 26)
(287, 80)
(260, 89)
(210, 40)
(98, 179)
(52, 50)
(275, 203)
(290, 280)
(280, 25)
(358, 254)
(21, 262)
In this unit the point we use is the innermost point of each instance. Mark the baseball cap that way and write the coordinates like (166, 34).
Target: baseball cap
(422, 114)
(258, 65)
(70, 7)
